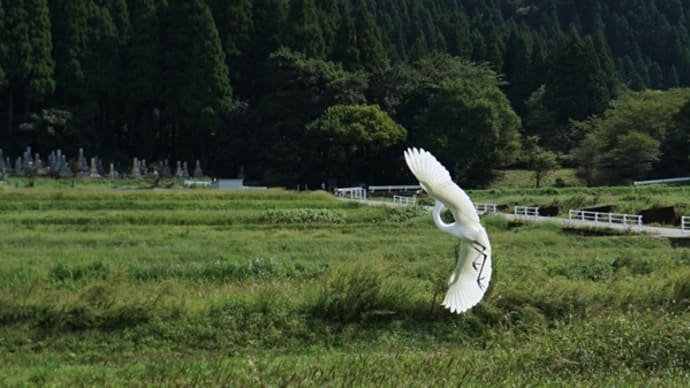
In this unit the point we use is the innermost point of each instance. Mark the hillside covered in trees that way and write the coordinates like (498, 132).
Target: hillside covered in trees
(294, 91)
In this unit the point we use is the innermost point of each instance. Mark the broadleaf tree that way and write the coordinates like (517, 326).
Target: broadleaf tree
(348, 137)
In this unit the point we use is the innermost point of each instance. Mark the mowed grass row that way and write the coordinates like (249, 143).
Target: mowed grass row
(305, 289)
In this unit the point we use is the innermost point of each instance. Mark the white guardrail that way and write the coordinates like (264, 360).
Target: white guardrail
(606, 218)
(658, 181)
(404, 201)
(485, 207)
(526, 211)
(394, 188)
(685, 223)
(351, 192)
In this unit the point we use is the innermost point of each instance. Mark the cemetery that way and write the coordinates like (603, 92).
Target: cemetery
(59, 165)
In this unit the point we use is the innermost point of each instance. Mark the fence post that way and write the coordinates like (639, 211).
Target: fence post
(639, 223)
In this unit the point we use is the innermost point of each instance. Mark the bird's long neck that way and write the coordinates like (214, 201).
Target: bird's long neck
(436, 213)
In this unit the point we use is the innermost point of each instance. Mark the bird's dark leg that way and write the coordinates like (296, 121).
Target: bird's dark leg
(481, 249)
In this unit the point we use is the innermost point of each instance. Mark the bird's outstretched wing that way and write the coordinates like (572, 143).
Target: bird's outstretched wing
(435, 180)
(471, 276)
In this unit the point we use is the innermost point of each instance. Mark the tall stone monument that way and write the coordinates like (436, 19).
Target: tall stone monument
(65, 171)
(136, 173)
(197, 170)
(93, 171)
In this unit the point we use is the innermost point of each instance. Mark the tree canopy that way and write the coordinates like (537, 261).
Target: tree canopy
(627, 141)
(237, 83)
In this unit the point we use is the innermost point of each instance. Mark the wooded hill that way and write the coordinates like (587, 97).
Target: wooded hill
(305, 90)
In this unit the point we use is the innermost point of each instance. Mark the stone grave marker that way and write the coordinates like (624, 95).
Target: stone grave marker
(166, 173)
(93, 171)
(197, 170)
(65, 171)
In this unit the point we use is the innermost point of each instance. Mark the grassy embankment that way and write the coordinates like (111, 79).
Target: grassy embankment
(205, 287)
(625, 199)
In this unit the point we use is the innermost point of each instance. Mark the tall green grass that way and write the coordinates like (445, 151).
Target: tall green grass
(104, 287)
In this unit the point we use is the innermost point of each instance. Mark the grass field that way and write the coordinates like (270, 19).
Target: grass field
(201, 287)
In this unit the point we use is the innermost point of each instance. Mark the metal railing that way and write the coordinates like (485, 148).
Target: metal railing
(658, 181)
(627, 220)
(394, 188)
(404, 201)
(685, 223)
(351, 192)
(485, 207)
(526, 211)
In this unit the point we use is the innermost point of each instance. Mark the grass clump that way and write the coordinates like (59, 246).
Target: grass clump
(358, 293)
(304, 216)
(405, 213)
(64, 274)
(222, 270)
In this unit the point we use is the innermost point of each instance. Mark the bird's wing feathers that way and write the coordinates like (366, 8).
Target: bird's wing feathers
(425, 167)
(435, 180)
(470, 280)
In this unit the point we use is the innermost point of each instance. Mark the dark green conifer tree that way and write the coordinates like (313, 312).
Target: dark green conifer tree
(538, 64)
(516, 65)
(368, 38)
(303, 30)
(269, 18)
(494, 46)
(479, 50)
(583, 91)
(460, 44)
(195, 77)
(103, 65)
(70, 31)
(419, 50)
(656, 76)
(144, 82)
(345, 49)
(236, 30)
(3, 47)
(329, 20)
(671, 77)
(606, 64)
(27, 59)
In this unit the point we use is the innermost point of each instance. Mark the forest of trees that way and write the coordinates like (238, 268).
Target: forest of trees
(300, 91)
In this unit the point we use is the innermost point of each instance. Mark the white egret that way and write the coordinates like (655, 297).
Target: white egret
(472, 273)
